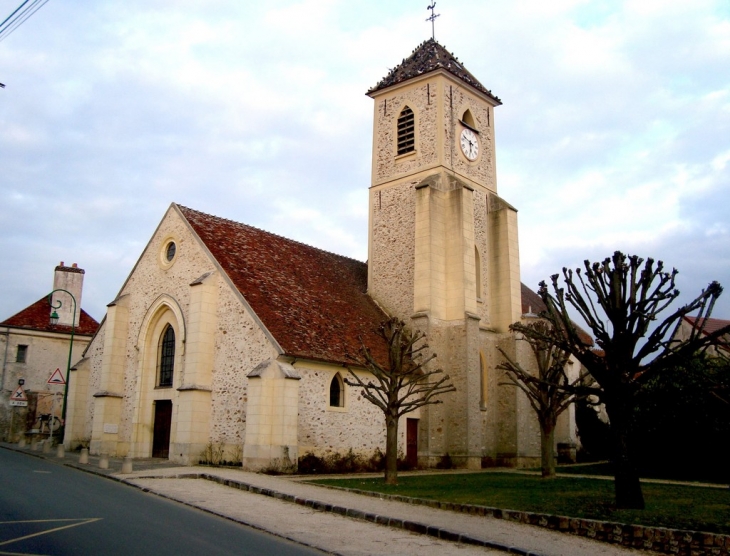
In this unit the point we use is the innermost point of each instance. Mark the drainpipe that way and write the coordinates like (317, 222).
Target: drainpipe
(5, 357)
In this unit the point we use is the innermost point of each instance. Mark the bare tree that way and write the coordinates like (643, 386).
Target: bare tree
(401, 385)
(550, 391)
(620, 300)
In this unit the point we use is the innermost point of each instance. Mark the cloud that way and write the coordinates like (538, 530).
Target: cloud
(614, 133)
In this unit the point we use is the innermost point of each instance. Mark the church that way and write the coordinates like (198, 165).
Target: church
(227, 334)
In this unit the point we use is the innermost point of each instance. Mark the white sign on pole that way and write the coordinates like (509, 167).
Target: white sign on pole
(57, 378)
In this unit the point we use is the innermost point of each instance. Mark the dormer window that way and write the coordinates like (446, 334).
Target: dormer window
(406, 131)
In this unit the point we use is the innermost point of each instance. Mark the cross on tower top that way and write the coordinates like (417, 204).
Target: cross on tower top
(432, 18)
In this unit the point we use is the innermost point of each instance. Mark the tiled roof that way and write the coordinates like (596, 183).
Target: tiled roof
(427, 57)
(531, 302)
(313, 302)
(36, 317)
(710, 325)
(713, 325)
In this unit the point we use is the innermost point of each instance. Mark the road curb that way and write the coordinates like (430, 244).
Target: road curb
(317, 505)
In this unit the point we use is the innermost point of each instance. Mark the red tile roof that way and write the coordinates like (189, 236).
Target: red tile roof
(531, 302)
(313, 302)
(427, 57)
(710, 325)
(36, 317)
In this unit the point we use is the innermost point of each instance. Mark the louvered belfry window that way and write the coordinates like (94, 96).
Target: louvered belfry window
(406, 131)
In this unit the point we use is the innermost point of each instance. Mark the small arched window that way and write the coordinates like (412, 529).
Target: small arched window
(406, 131)
(468, 119)
(166, 357)
(337, 392)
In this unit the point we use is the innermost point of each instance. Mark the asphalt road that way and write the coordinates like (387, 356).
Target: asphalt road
(49, 509)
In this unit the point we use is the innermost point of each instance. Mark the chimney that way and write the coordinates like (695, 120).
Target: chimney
(71, 279)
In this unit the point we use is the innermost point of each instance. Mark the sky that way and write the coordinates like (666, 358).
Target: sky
(614, 133)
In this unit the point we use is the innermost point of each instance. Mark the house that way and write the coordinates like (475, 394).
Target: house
(706, 326)
(33, 349)
(229, 335)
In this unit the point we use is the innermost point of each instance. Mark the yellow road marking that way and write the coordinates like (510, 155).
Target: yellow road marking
(81, 522)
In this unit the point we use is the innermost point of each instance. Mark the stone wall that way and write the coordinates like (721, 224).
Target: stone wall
(391, 248)
(421, 98)
(456, 100)
(359, 425)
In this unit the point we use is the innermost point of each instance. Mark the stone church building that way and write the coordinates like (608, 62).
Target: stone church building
(228, 334)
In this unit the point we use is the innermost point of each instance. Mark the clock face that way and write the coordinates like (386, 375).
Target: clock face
(469, 144)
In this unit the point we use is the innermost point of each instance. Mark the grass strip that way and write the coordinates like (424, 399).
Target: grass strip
(672, 506)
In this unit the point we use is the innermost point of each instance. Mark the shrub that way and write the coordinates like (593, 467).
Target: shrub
(335, 462)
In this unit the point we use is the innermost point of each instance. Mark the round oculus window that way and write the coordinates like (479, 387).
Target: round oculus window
(170, 251)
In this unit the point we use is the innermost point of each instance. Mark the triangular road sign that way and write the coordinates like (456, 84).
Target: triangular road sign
(19, 395)
(57, 378)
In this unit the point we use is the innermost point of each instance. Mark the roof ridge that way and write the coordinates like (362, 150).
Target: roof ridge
(270, 233)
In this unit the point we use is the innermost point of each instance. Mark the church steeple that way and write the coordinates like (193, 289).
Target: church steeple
(431, 113)
(427, 57)
(433, 196)
(443, 251)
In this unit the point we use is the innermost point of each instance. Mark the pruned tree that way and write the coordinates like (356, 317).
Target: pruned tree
(620, 300)
(550, 391)
(401, 385)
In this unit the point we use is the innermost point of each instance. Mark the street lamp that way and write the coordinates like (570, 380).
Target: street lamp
(54, 321)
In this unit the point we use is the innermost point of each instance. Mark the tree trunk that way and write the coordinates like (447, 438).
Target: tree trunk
(628, 487)
(626, 482)
(547, 451)
(391, 451)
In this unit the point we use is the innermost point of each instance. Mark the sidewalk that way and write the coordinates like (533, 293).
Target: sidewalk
(313, 515)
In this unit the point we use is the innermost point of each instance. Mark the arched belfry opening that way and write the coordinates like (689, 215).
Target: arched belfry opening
(468, 119)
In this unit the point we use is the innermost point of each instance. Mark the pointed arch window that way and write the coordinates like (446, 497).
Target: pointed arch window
(406, 131)
(468, 120)
(337, 392)
(166, 357)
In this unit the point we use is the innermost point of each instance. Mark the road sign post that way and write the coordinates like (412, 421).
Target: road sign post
(19, 398)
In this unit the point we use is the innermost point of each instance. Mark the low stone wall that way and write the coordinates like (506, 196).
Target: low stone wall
(655, 539)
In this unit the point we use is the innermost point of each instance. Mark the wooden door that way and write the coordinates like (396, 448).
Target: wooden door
(161, 434)
(412, 442)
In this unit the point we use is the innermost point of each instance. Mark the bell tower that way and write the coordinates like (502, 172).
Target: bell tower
(435, 222)
(443, 253)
